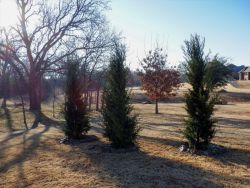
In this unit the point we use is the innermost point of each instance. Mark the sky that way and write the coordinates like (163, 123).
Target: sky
(8, 13)
(225, 24)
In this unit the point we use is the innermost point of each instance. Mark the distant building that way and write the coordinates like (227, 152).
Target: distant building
(244, 74)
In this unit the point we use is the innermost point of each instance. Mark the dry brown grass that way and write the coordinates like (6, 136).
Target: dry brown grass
(36, 159)
(235, 91)
(241, 84)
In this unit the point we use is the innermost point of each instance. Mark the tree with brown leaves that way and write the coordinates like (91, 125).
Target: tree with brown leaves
(157, 79)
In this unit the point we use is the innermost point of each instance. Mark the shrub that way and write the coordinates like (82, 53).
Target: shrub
(119, 124)
(75, 113)
(204, 76)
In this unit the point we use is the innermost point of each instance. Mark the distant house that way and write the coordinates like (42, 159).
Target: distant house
(244, 74)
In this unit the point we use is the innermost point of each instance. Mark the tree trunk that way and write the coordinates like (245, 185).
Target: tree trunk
(97, 100)
(4, 102)
(5, 85)
(54, 99)
(102, 101)
(22, 101)
(24, 114)
(90, 100)
(35, 91)
(197, 144)
(156, 106)
(53, 106)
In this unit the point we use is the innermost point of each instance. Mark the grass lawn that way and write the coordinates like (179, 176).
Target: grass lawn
(35, 158)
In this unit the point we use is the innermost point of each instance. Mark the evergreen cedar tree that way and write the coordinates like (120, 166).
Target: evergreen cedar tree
(75, 112)
(119, 124)
(156, 78)
(204, 76)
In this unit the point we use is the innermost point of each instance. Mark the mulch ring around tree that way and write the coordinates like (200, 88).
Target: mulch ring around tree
(211, 150)
(97, 146)
(84, 139)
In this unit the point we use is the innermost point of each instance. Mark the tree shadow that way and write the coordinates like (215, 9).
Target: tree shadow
(233, 123)
(8, 118)
(230, 157)
(173, 130)
(40, 117)
(96, 123)
(165, 141)
(30, 145)
(11, 136)
(240, 137)
(237, 96)
(142, 169)
(235, 156)
(37, 120)
(21, 175)
(48, 121)
(129, 169)
(97, 128)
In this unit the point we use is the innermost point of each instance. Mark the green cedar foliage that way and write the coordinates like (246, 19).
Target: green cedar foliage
(119, 124)
(204, 76)
(75, 112)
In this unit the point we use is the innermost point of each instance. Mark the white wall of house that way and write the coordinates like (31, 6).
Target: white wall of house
(246, 75)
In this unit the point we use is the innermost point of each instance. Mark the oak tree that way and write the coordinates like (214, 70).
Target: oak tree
(48, 32)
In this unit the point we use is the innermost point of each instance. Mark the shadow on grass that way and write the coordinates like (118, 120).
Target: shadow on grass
(28, 144)
(29, 148)
(136, 168)
(142, 169)
(230, 157)
(234, 123)
(237, 95)
(130, 169)
(7, 116)
(141, 98)
(165, 141)
(96, 122)
(40, 117)
(235, 156)
(33, 141)
(21, 174)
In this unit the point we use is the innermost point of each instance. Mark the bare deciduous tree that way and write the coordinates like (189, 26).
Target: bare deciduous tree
(4, 81)
(50, 31)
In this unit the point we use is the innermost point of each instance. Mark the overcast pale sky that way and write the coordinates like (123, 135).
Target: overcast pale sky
(224, 23)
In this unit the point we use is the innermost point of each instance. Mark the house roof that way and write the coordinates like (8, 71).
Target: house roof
(245, 69)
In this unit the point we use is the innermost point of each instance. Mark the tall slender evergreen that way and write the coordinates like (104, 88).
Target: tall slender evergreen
(119, 124)
(75, 113)
(203, 75)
